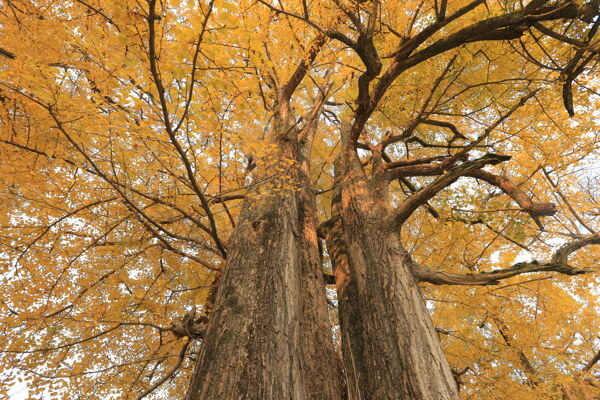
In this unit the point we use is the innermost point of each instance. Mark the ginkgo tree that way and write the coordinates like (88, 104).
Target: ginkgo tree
(182, 180)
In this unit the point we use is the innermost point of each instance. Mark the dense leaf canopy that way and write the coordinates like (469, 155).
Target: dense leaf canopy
(131, 132)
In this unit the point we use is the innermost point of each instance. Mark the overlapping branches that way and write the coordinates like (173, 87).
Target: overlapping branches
(511, 25)
(107, 242)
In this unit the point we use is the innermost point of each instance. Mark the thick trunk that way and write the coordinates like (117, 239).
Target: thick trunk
(268, 335)
(391, 349)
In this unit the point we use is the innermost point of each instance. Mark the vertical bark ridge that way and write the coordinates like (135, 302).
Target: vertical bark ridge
(388, 335)
(322, 361)
(268, 336)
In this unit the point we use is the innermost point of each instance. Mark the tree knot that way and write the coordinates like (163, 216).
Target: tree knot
(190, 326)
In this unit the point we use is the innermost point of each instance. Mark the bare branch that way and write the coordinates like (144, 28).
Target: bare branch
(562, 196)
(419, 198)
(535, 209)
(558, 263)
(170, 373)
(7, 53)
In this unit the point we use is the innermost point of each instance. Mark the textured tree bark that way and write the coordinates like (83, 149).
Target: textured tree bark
(268, 336)
(390, 347)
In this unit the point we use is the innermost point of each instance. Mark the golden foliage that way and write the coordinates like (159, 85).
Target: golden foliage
(130, 135)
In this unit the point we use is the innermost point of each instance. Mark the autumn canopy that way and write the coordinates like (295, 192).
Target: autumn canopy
(299, 199)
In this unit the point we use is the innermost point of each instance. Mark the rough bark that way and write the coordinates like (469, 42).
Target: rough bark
(268, 336)
(387, 333)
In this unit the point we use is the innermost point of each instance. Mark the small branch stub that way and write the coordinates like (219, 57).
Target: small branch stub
(190, 326)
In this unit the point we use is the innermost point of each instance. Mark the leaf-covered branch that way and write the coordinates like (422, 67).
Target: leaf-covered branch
(166, 119)
(503, 27)
(182, 354)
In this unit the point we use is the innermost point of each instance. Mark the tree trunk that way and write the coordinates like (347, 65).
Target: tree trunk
(390, 347)
(269, 336)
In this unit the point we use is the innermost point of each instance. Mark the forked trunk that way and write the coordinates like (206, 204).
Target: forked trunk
(391, 349)
(268, 335)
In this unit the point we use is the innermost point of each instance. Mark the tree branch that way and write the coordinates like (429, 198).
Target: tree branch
(327, 32)
(409, 46)
(419, 118)
(410, 162)
(157, 200)
(567, 203)
(99, 12)
(574, 68)
(535, 209)
(169, 374)
(530, 372)
(502, 27)
(190, 93)
(313, 50)
(154, 69)
(7, 53)
(558, 263)
(592, 362)
(413, 202)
